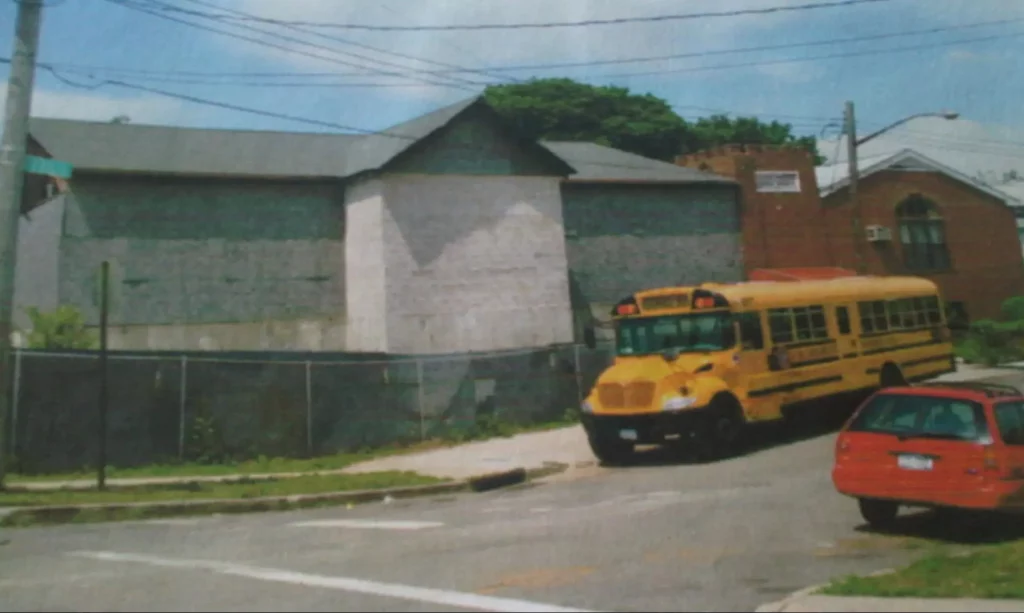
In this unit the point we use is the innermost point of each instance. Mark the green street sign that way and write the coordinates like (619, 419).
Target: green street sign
(46, 166)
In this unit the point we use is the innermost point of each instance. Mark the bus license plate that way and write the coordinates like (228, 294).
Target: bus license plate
(627, 435)
(914, 462)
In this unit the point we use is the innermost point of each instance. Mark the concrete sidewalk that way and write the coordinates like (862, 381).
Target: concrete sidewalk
(530, 451)
(827, 604)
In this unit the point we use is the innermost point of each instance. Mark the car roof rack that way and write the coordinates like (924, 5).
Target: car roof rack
(991, 390)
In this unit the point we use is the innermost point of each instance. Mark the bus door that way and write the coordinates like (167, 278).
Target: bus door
(846, 340)
(753, 366)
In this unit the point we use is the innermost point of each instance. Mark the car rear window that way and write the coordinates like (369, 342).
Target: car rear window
(922, 416)
(1010, 419)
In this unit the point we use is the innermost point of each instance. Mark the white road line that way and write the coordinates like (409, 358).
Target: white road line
(367, 524)
(389, 590)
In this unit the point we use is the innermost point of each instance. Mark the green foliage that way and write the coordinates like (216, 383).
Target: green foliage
(62, 329)
(205, 442)
(563, 109)
(992, 342)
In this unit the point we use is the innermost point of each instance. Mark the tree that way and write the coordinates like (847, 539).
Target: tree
(563, 109)
(62, 329)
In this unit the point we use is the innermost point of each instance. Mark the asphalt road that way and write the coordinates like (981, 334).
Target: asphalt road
(657, 536)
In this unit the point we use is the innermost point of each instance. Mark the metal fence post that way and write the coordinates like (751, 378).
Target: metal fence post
(15, 395)
(309, 407)
(421, 399)
(181, 406)
(578, 368)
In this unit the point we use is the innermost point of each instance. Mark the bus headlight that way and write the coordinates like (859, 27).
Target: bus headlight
(678, 403)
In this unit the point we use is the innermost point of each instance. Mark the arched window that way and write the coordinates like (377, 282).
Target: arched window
(923, 234)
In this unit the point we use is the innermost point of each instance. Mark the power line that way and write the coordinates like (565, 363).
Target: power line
(812, 58)
(541, 25)
(454, 67)
(755, 49)
(552, 66)
(130, 4)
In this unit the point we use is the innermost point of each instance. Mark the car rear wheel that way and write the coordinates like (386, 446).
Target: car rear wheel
(878, 513)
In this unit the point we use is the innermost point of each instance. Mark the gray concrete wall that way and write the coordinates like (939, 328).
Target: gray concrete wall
(37, 275)
(315, 333)
(197, 252)
(623, 238)
(474, 263)
(365, 267)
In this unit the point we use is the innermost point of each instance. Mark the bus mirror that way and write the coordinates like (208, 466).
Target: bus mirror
(589, 338)
(671, 355)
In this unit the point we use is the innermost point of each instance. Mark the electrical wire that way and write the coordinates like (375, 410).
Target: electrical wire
(592, 63)
(453, 68)
(130, 4)
(542, 25)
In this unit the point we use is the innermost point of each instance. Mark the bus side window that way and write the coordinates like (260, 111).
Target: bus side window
(843, 319)
(751, 332)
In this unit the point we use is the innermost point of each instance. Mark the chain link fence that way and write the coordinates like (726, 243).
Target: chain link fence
(167, 407)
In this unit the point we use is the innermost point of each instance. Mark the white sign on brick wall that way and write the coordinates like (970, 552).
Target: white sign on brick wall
(777, 181)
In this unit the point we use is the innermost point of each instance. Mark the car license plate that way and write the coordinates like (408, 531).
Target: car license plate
(914, 462)
(627, 435)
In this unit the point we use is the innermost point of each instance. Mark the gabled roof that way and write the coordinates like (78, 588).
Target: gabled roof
(835, 177)
(595, 163)
(132, 148)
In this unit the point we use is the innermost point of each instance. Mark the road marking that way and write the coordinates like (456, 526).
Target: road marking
(367, 524)
(389, 590)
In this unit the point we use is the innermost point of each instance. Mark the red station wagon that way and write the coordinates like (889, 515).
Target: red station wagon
(940, 445)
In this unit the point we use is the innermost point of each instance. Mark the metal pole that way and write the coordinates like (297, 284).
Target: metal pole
(855, 210)
(101, 459)
(578, 373)
(309, 408)
(421, 399)
(15, 397)
(182, 395)
(12, 163)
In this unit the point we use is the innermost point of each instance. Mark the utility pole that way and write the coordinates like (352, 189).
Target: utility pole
(12, 164)
(855, 210)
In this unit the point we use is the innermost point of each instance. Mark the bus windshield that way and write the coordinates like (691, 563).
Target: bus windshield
(693, 333)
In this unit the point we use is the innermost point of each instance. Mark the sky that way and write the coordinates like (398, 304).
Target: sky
(387, 72)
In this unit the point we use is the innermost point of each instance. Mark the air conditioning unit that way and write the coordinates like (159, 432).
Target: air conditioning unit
(878, 234)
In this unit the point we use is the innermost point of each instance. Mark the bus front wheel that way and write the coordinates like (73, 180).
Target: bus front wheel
(610, 451)
(724, 429)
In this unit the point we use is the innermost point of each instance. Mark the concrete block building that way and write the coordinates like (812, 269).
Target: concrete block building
(445, 234)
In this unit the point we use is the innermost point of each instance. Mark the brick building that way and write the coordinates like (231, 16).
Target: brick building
(919, 217)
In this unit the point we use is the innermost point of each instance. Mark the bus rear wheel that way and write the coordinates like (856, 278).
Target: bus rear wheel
(892, 376)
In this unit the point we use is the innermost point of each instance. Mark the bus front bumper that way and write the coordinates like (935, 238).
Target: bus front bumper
(645, 428)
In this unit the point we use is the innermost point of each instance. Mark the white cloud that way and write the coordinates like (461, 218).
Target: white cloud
(792, 72)
(97, 106)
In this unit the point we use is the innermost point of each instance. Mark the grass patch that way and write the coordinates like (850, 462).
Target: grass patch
(991, 572)
(235, 490)
(481, 430)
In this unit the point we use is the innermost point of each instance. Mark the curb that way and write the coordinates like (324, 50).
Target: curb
(779, 606)
(53, 515)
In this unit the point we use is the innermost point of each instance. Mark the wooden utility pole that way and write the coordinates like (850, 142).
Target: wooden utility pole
(12, 165)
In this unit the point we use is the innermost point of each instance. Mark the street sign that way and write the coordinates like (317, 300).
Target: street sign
(47, 166)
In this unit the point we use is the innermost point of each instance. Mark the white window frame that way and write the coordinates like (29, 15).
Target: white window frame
(777, 181)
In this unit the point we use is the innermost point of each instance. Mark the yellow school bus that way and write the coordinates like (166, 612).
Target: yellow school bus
(699, 364)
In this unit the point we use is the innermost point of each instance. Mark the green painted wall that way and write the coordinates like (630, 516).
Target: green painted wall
(192, 251)
(472, 145)
(622, 238)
